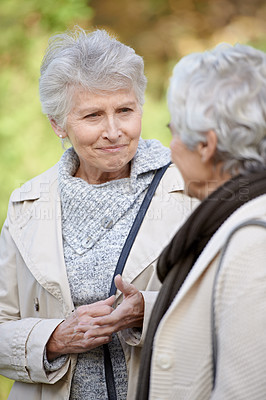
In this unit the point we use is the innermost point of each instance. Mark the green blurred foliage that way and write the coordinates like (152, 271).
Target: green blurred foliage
(27, 144)
(161, 31)
(5, 387)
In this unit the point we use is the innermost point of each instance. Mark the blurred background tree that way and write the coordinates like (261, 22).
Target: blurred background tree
(161, 31)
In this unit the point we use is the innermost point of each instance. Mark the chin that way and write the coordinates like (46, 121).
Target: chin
(116, 167)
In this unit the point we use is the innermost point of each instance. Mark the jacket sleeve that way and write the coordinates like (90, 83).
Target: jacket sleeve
(240, 318)
(136, 336)
(22, 341)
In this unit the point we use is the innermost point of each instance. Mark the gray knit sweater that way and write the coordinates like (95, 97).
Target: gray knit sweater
(96, 220)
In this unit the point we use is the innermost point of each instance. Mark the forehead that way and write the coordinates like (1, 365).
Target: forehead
(84, 99)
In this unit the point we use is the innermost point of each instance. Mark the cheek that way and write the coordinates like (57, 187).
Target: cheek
(136, 129)
(174, 147)
(133, 127)
(84, 137)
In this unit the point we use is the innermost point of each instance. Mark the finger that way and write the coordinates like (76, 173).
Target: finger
(96, 310)
(126, 288)
(89, 337)
(84, 323)
(94, 323)
(88, 343)
(97, 332)
(110, 300)
(102, 307)
(98, 341)
(111, 319)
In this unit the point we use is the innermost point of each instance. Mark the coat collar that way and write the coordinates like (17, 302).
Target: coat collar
(39, 187)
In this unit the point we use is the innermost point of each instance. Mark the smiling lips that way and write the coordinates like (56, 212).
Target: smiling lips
(112, 149)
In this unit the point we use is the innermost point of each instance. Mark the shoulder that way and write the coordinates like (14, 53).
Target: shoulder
(246, 241)
(41, 190)
(255, 208)
(173, 184)
(171, 195)
(173, 179)
(242, 256)
(34, 188)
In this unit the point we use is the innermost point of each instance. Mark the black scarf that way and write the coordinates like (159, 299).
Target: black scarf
(178, 258)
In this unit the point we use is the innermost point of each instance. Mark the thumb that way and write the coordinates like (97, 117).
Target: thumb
(126, 288)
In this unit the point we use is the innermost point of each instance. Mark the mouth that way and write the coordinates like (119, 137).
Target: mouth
(112, 149)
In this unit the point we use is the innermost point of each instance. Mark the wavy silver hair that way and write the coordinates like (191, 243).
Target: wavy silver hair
(93, 61)
(223, 90)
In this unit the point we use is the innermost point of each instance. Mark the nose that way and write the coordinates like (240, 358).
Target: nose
(112, 129)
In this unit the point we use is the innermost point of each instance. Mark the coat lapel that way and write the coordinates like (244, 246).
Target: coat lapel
(38, 236)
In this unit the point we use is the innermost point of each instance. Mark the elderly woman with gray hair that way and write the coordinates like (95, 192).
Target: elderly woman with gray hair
(207, 331)
(107, 208)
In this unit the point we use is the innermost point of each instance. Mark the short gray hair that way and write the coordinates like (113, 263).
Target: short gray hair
(94, 61)
(223, 90)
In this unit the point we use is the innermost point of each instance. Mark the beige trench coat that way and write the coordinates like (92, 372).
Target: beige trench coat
(182, 352)
(34, 290)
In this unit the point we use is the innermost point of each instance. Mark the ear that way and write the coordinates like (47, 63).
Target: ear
(207, 150)
(58, 131)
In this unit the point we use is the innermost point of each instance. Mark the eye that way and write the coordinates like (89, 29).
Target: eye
(125, 110)
(92, 115)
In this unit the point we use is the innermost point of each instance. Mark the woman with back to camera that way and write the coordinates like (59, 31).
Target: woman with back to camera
(66, 230)
(217, 103)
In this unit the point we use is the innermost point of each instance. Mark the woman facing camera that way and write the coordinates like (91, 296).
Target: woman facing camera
(107, 208)
(207, 331)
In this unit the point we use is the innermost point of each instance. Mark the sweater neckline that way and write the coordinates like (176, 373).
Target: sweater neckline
(89, 211)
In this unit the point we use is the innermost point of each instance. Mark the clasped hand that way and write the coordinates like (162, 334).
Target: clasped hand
(92, 325)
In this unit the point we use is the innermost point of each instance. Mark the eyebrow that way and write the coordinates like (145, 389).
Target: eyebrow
(96, 108)
(128, 104)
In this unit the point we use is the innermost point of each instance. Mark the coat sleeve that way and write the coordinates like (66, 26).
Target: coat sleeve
(136, 336)
(240, 318)
(22, 341)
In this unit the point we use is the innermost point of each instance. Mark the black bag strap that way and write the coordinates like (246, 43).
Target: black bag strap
(109, 375)
(136, 225)
(213, 330)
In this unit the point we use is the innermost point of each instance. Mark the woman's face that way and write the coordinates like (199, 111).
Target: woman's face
(104, 130)
(201, 175)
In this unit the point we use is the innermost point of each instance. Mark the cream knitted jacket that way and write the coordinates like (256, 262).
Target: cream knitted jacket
(182, 355)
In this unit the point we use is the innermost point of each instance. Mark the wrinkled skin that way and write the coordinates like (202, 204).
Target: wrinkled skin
(92, 325)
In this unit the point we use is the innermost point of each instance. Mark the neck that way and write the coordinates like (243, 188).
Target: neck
(217, 179)
(98, 177)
